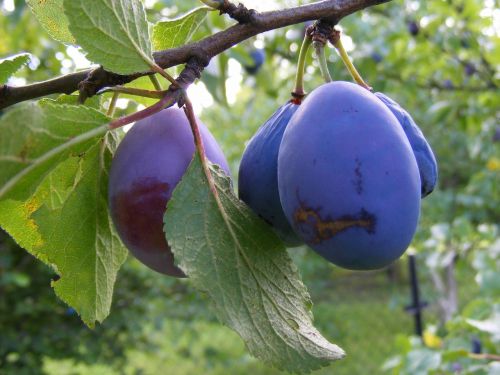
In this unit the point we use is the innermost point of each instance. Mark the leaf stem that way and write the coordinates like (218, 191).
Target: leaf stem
(112, 104)
(134, 91)
(156, 68)
(298, 92)
(53, 152)
(215, 4)
(349, 65)
(319, 47)
(200, 148)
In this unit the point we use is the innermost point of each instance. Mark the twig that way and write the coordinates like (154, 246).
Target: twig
(89, 82)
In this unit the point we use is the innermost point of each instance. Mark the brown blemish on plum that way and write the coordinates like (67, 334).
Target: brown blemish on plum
(324, 229)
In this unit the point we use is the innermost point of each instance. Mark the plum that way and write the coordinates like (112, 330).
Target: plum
(258, 174)
(258, 57)
(413, 28)
(426, 160)
(347, 177)
(148, 164)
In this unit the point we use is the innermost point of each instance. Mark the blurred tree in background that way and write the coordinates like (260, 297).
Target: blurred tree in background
(438, 59)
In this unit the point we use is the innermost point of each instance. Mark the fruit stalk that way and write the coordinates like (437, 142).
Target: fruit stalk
(323, 66)
(298, 91)
(349, 65)
(155, 82)
(167, 101)
(112, 104)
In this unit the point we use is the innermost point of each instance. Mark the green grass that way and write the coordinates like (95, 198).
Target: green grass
(362, 312)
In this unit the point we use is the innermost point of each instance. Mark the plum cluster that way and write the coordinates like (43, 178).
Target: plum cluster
(344, 172)
(148, 164)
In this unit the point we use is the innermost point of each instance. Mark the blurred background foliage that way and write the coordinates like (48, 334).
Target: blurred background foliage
(439, 59)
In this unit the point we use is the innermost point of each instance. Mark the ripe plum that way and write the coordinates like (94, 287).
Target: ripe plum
(148, 164)
(347, 177)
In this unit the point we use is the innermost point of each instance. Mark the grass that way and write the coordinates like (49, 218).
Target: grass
(362, 312)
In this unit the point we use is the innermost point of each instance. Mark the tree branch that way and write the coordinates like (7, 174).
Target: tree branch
(90, 81)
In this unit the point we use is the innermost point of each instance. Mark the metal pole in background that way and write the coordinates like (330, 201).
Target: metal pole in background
(417, 306)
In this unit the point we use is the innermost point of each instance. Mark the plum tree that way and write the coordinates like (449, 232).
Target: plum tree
(348, 180)
(148, 164)
(426, 160)
(258, 174)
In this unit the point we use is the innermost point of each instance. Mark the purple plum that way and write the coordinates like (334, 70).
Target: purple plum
(348, 180)
(147, 166)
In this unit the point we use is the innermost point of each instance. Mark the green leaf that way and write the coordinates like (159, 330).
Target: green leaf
(490, 325)
(235, 258)
(57, 210)
(51, 16)
(114, 33)
(66, 225)
(36, 136)
(179, 31)
(12, 64)
(92, 102)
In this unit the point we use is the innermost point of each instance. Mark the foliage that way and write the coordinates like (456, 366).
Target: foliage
(470, 342)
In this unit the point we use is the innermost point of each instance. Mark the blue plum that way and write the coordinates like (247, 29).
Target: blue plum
(258, 175)
(348, 180)
(426, 160)
(258, 57)
(413, 28)
(148, 164)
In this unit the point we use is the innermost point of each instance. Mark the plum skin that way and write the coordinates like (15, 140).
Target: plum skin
(147, 166)
(426, 161)
(347, 177)
(258, 173)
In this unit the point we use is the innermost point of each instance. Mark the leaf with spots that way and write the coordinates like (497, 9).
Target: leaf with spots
(51, 16)
(177, 32)
(12, 64)
(54, 164)
(114, 33)
(236, 259)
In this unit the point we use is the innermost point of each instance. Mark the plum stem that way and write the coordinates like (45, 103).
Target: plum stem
(200, 148)
(134, 91)
(349, 65)
(155, 82)
(167, 101)
(112, 104)
(298, 93)
(319, 47)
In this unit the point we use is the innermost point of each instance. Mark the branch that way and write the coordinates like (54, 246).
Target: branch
(90, 81)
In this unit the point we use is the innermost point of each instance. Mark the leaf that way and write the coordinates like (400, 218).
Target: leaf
(236, 259)
(51, 16)
(66, 225)
(36, 136)
(12, 64)
(114, 33)
(53, 199)
(179, 31)
(490, 325)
